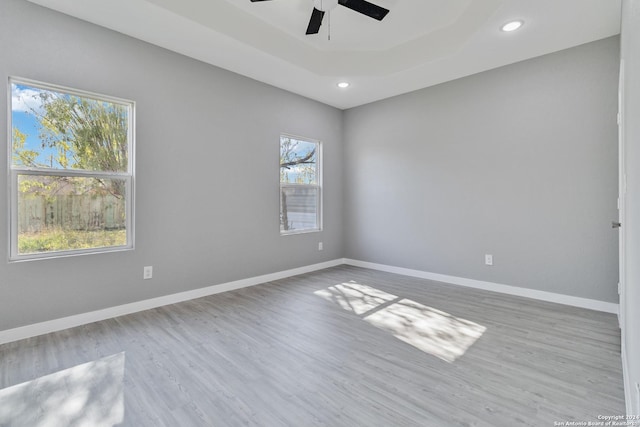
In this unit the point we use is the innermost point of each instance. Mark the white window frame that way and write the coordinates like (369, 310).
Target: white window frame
(15, 171)
(318, 185)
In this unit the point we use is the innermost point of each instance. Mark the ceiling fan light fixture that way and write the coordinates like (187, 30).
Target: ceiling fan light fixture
(343, 85)
(512, 26)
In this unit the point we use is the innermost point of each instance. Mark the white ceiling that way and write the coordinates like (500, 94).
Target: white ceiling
(420, 43)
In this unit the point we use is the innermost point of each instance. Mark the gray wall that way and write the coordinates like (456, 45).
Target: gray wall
(630, 300)
(206, 166)
(519, 162)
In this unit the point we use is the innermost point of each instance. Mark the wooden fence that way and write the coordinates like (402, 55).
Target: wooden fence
(71, 212)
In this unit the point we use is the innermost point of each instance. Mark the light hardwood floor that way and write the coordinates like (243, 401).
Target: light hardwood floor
(339, 347)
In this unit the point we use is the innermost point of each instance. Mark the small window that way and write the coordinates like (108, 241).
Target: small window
(300, 185)
(71, 168)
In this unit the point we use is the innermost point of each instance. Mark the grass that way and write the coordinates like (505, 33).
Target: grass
(58, 239)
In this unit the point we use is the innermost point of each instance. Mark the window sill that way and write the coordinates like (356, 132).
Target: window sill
(294, 232)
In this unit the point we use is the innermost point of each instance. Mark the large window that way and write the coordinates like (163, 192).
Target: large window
(300, 185)
(71, 171)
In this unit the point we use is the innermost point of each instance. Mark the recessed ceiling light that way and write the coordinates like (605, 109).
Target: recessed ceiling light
(343, 85)
(512, 26)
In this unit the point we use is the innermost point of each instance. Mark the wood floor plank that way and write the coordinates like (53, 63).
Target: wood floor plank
(304, 351)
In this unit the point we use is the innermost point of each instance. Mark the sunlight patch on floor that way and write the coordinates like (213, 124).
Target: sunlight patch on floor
(428, 329)
(91, 394)
(355, 297)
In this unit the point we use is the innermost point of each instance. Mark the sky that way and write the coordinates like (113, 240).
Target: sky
(296, 173)
(24, 102)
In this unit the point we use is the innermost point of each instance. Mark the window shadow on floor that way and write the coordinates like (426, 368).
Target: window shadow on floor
(426, 328)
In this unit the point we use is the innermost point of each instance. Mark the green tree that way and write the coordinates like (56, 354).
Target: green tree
(28, 158)
(22, 156)
(85, 133)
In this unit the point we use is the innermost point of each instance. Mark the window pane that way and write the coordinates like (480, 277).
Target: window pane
(61, 213)
(53, 129)
(298, 161)
(299, 208)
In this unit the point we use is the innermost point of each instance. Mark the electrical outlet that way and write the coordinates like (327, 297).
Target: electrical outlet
(147, 273)
(320, 246)
(488, 259)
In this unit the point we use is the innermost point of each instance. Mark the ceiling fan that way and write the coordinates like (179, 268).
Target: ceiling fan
(322, 6)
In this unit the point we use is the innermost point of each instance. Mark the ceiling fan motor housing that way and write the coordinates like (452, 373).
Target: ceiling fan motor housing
(325, 5)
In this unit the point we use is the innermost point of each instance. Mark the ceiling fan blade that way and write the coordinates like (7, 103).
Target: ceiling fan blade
(366, 8)
(315, 21)
(253, 1)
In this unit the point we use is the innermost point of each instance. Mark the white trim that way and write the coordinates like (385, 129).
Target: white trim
(318, 185)
(622, 190)
(46, 327)
(71, 91)
(628, 390)
(629, 393)
(41, 328)
(607, 307)
(15, 171)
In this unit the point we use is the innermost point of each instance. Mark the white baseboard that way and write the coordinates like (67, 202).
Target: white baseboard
(41, 328)
(591, 304)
